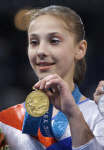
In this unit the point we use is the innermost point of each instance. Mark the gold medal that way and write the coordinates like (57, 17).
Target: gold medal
(37, 103)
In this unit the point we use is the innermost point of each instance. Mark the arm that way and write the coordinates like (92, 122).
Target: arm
(63, 100)
(91, 145)
(81, 134)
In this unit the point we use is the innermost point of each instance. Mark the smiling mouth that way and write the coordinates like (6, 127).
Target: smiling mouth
(44, 66)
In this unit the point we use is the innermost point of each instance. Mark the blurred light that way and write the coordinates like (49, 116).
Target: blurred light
(21, 19)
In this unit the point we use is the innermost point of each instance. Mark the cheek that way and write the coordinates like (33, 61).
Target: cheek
(67, 60)
(32, 57)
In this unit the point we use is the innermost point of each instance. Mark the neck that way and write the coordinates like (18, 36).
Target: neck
(69, 80)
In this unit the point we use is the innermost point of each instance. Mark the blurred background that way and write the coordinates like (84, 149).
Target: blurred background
(16, 75)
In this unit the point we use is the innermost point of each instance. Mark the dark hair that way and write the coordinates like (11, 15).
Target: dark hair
(74, 24)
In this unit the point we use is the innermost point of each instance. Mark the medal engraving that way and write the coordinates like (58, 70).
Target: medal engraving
(37, 103)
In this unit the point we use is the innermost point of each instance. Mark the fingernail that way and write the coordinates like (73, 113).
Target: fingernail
(33, 87)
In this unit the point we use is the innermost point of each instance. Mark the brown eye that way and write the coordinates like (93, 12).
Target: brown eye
(55, 41)
(34, 42)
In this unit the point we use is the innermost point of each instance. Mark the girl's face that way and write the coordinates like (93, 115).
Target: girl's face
(51, 47)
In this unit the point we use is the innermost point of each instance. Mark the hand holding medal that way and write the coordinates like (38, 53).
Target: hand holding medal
(58, 92)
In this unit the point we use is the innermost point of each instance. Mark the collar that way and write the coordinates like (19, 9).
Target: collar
(76, 94)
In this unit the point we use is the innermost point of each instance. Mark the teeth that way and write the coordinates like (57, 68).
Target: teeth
(44, 65)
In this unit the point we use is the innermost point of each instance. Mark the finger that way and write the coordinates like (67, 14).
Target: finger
(99, 90)
(54, 99)
(42, 84)
(55, 84)
(101, 83)
(37, 85)
(50, 77)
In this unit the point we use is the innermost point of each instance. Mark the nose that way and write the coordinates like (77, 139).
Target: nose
(42, 50)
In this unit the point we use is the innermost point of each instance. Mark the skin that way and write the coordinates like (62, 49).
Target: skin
(52, 53)
(98, 92)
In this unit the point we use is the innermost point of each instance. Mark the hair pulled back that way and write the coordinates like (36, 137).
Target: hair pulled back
(75, 26)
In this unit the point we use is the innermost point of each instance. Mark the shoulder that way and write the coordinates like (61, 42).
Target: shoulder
(13, 116)
(88, 105)
(90, 112)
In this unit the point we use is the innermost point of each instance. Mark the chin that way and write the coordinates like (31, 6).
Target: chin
(44, 74)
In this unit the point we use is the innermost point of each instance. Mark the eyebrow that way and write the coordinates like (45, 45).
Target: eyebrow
(33, 35)
(49, 34)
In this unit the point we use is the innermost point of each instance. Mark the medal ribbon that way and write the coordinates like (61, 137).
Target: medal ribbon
(31, 124)
(45, 125)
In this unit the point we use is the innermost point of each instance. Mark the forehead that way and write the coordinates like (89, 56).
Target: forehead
(47, 22)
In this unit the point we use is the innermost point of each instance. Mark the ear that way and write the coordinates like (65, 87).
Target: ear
(81, 50)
